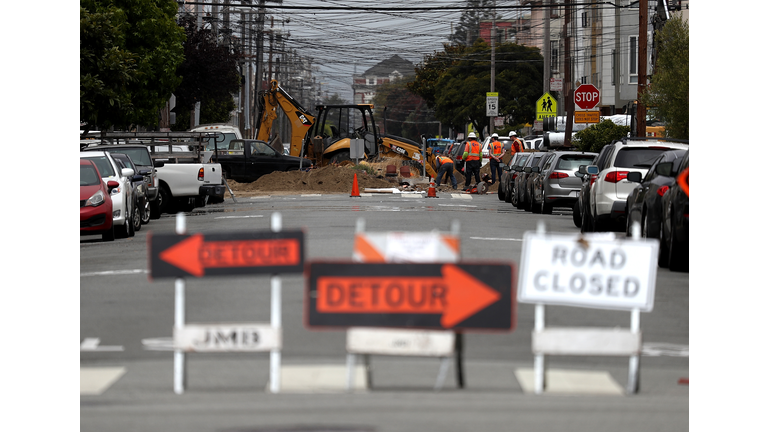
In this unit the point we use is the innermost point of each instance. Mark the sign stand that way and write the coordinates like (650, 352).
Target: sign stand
(630, 342)
(384, 338)
(264, 337)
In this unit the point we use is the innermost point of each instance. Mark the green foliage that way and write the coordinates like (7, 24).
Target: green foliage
(456, 81)
(595, 137)
(366, 168)
(407, 114)
(129, 51)
(210, 75)
(667, 96)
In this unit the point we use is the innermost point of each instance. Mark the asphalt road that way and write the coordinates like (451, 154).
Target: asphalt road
(126, 324)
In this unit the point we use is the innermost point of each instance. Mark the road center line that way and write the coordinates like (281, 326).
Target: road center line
(114, 272)
(496, 239)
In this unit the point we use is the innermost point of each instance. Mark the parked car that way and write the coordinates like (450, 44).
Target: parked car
(674, 250)
(95, 202)
(122, 195)
(557, 184)
(530, 174)
(522, 177)
(587, 174)
(608, 194)
(515, 170)
(507, 175)
(439, 145)
(586, 185)
(145, 166)
(141, 210)
(644, 202)
(248, 160)
(455, 153)
(533, 142)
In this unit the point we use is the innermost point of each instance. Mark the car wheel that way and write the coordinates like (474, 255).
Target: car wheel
(545, 208)
(129, 232)
(531, 203)
(663, 260)
(155, 206)
(677, 253)
(511, 197)
(499, 193)
(136, 217)
(109, 235)
(644, 226)
(576, 215)
(146, 212)
(166, 200)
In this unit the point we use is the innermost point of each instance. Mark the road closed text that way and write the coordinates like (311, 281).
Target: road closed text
(592, 272)
(610, 281)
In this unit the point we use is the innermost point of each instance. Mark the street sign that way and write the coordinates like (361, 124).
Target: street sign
(229, 254)
(244, 337)
(589, 271)
(491, 104)
(586, 117)
(586, 96)
(546, 106)
(555, 84)
(430, 296)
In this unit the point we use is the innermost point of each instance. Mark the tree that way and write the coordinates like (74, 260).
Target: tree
(209, 76)
(595, 137)
(129, 52)
(467, 29)
(667, 94)
(455, 83)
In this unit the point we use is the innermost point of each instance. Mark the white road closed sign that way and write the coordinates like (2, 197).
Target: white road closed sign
(589, 271)
(236, 337)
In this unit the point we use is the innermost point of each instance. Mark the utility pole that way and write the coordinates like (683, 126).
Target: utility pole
(546, 47)
(642, 66)
(257, 82)
(491, 122)
(568, 85)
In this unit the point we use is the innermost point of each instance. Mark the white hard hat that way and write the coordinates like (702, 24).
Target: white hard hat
(512, 133)
(471, 135)
(495, 135)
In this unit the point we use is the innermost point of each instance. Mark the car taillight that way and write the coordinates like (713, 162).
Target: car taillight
(558, 175)
(201, 174)
(662, 190)
(616, 176)
(592, 179)
(514, 176)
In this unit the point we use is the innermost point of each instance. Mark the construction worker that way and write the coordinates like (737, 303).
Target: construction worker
(495, 151)
(517, 143)
(445, 166)
(472, 155)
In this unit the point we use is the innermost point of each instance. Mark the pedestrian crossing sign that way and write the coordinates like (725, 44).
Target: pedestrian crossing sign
(546, 106)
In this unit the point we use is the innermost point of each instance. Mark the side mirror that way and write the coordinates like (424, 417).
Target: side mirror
(127, 172)
(145, 172)
(536, 169)
(593, 170)
(158, 164)
(527, 170)
(111, 184)
(137, 178)
(664, 168)
(634, 176)
(582, 170)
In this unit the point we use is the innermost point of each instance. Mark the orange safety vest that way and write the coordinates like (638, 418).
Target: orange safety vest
(473, 148)
(444, 160)
(496, 148)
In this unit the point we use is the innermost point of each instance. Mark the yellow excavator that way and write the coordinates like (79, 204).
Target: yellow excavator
(325, 138)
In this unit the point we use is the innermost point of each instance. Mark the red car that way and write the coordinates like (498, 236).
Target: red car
(95, 202)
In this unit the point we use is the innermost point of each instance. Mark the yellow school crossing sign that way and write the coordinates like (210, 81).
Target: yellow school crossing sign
(546, 106)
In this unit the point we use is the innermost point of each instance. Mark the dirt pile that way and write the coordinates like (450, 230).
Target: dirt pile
(338, 179)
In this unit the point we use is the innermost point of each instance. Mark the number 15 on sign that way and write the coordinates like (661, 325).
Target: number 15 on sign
(491, 104)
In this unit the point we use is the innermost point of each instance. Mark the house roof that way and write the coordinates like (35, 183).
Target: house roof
(394, 63)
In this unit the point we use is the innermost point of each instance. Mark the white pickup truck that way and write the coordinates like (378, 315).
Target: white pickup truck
(186, 178)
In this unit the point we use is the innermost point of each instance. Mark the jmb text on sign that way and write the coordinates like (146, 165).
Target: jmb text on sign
(242, 253)
(433, 296)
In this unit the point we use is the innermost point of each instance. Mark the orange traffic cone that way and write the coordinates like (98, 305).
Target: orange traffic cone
(431, 191)
(355, 190)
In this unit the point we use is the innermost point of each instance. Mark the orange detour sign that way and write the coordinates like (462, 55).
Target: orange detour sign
(199, 255)
(682, 180)
(432, 296)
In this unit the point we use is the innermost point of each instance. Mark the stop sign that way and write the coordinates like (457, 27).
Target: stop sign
(586, 96)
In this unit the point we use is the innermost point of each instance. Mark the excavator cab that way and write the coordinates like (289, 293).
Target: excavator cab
(336, 125)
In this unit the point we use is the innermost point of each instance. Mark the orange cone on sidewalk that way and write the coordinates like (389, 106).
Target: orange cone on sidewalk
(355, 190)
(431, 192)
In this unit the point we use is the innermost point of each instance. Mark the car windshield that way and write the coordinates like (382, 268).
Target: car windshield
(211, 142)
(637, 157)
(88, 176)
(138, 156)
(105, 167)
(572, 162)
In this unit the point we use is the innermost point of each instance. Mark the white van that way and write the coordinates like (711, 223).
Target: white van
(228, 132)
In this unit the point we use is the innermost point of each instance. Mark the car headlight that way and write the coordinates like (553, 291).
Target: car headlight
(96, 199)
(116, 190)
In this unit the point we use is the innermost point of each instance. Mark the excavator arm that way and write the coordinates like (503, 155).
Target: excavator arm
(301, 120)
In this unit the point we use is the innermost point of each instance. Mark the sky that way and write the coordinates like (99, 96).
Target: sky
(342, 43)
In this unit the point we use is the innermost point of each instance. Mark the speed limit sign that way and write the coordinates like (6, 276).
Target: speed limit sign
(491, 104)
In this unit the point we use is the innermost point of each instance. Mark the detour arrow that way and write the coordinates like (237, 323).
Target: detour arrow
(226, 254)
(411, 295)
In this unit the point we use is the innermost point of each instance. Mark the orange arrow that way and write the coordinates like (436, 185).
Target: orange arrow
(194, 255)
(456, 295)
